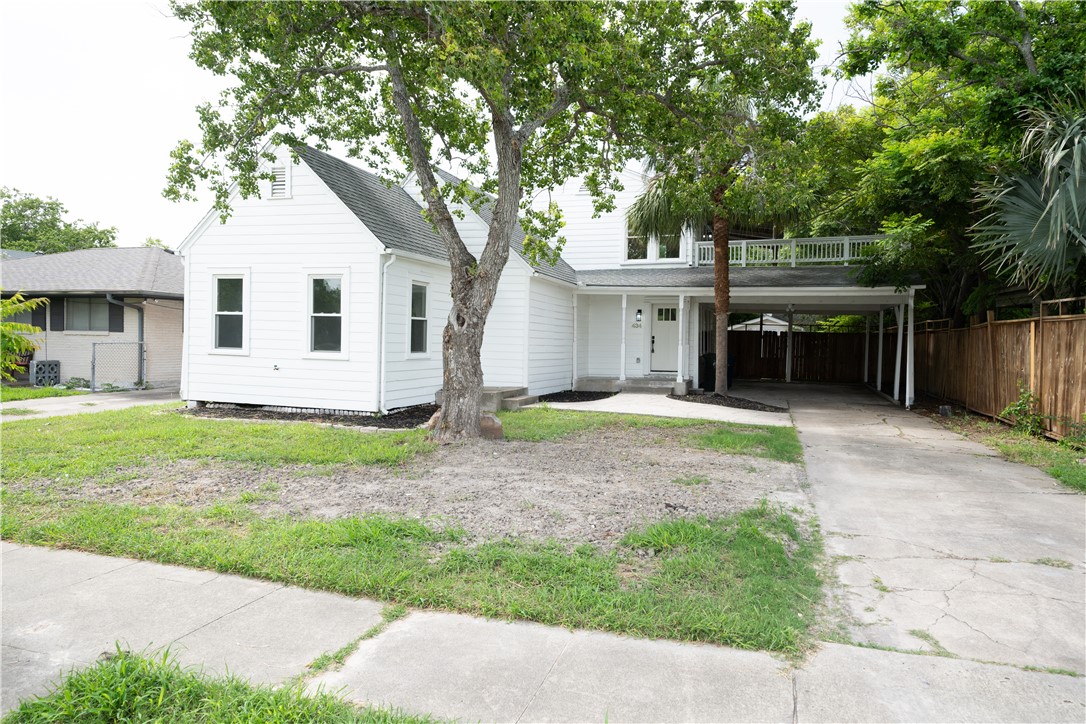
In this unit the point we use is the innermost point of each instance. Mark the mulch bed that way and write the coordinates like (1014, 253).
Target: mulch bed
(738, 402)
(404, 419)
(571, 396)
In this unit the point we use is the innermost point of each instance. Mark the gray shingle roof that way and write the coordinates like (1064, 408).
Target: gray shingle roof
(390, 213)
(749, 276)
(132, 271)
(16, 254)
(560, 271)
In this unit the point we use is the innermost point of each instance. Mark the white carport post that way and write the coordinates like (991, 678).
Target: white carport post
(910, 382)
(682, 339)
(878, 367)
(622, 347)
(867, 344)
(573, 366)
(900, 338)
(788, 353)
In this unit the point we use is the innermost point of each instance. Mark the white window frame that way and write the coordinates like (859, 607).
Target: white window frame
(652, 249)
(344, 312)
(246, 310)
(408, 354)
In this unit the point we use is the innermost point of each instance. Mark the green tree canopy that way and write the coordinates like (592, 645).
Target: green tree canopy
(29, 223)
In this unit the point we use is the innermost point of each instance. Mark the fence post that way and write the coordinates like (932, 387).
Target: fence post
(994, 385)
(1041, 354)
(142, 364)
(94, 356)
(793, 252)
(743, 254)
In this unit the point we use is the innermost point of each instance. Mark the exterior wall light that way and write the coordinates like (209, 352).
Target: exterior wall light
(637, 317)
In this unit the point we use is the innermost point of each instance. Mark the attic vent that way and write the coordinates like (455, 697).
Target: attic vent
(279, 183)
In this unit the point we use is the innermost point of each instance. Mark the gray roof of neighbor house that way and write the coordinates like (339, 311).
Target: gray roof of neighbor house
(16, 254)
(702, 276)
(131, 271)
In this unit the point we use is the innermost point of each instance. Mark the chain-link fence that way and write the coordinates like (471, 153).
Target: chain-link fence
(116, 365)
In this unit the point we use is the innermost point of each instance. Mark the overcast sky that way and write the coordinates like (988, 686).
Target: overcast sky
(96, 95)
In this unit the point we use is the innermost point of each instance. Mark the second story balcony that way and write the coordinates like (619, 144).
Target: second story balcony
(820, 251)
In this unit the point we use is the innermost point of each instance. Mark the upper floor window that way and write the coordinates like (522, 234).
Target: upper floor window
(230, 312)
(637, 246)
(86, 315)
(326, 314)
(653, 248)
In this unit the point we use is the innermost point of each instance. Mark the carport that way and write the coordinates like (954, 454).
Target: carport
(881, 356)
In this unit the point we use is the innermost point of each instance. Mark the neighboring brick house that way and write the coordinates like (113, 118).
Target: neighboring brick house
(114, 315)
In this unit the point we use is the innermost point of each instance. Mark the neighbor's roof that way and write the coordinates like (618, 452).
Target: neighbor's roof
(17, 254)
(561, 270)
(702, 276)
(131, 271)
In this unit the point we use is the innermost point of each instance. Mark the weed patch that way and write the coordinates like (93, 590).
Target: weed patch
(127, 687)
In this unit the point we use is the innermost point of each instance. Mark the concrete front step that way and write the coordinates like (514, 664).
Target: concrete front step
(515, 403)
(492, 397)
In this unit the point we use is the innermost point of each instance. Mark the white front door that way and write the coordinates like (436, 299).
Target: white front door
(665, 338)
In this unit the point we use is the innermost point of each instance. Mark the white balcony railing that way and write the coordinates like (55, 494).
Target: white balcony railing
(790, 252)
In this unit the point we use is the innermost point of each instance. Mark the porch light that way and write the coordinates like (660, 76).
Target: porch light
(637, 317)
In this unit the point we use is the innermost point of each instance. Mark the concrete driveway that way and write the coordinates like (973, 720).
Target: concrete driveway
(941, 545)
(94, 402)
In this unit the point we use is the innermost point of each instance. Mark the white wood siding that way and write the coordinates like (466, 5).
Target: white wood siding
(413, 379)
(601, 337)
(279, 242)
(550, 337)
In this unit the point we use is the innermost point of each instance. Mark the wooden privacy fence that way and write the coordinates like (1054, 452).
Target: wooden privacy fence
(984, 366)
(816, 356)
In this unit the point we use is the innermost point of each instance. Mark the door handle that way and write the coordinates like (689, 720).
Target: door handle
(653, 346)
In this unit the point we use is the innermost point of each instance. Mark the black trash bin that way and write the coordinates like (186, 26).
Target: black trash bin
(707, 371)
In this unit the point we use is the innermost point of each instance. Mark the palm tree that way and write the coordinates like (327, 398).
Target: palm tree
(1037, 221)
(655, 215)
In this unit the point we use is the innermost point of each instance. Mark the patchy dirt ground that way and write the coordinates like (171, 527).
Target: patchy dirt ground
(588, 488)
(740, 403)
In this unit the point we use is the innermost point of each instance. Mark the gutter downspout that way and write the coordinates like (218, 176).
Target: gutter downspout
(139, 329)
(381, 366)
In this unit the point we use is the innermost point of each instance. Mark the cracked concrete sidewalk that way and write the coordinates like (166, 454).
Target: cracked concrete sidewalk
(64, 608)
(941, 545)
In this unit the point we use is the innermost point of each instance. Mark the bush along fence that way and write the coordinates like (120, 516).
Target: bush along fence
(1026, 371)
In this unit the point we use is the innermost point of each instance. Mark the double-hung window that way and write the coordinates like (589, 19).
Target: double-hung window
(326, 314)
(419, 325)
(86, 315)
(230, 312)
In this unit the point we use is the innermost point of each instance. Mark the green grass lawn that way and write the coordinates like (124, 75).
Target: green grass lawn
(132, 688)
(91, 446)
(15, 394)
(747, 580)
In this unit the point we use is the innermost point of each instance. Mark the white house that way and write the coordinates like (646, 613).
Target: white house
(114, 315)
(331, 291)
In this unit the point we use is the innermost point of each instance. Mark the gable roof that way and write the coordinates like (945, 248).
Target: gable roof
(390, 213)
(131, 271)
(561, 270)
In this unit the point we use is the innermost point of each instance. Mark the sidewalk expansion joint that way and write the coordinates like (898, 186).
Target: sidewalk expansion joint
(235, 610)
(543, 680)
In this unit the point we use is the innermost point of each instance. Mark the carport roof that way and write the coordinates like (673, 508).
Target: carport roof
(702, 276)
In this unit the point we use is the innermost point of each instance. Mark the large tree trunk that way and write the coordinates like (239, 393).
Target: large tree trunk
(474, 281)
(722, 295)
